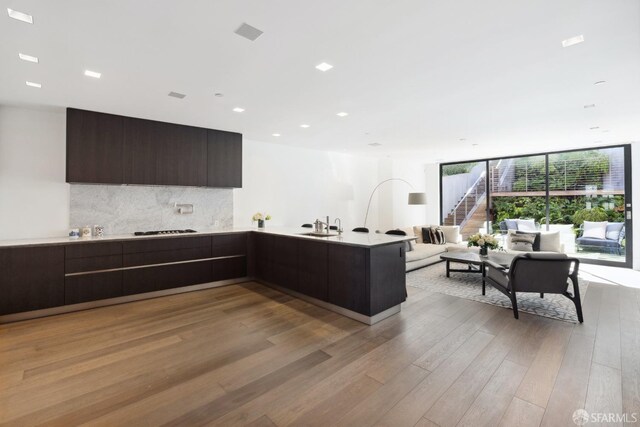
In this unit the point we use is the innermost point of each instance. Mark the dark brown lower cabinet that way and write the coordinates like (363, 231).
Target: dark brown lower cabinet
(387, 277)
(229, 244)
(92, 287)
(347, 285)
(284, 257)
(31, 278)
(262, 249)
(150, 279)
(361, 279)
(312, 269)
(366, 280)
(229, 268)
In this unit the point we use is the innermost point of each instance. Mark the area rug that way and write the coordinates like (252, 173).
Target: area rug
(469, 286)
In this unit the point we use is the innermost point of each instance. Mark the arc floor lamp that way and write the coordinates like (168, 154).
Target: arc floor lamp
(413, 199)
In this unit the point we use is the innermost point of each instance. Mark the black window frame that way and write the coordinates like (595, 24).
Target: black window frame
(628, 263)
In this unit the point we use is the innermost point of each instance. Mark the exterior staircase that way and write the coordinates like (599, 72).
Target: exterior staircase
(470, 211)
(476, 221)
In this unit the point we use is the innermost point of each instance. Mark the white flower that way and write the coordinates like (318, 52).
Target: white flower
(481, 242)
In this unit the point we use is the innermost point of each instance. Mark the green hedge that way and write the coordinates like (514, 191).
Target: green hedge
(562, 210)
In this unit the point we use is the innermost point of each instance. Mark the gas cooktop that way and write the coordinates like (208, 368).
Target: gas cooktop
(155, 233)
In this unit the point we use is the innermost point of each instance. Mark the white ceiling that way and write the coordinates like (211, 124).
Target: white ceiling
(414, 75)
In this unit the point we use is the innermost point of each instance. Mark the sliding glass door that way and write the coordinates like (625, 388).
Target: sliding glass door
(587, 195)
(583, 195)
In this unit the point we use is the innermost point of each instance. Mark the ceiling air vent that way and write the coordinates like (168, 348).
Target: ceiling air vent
(374, 144)
(248, 32)
(177, 95)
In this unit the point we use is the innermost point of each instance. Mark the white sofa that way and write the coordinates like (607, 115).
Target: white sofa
(423, 254)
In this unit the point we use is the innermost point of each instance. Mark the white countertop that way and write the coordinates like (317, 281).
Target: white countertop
(347, 238)
(111, 237)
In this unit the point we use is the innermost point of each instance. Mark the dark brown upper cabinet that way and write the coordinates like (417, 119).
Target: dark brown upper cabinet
(94, 147)
(224, 162)
(109, 149)
(159, 153)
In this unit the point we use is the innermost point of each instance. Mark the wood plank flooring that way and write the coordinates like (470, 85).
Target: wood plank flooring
(249, 355)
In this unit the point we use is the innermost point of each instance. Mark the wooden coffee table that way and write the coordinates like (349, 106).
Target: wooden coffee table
(474, 262)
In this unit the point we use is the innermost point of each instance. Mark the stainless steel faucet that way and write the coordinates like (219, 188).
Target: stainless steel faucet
(339, 221)
(319, 225)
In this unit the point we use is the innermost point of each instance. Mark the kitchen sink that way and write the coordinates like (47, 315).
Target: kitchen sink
(314, 234)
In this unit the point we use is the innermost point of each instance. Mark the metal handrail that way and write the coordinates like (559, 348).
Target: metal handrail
(474, 189)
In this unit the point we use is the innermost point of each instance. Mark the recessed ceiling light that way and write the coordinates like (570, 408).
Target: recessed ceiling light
(324, 66)
(177, 95)
(463, 139)
(374, 144)
(573, 40)
(343, 114)
(605, 130)
(248, 32)
(20, 16)
(238, 110)
(218, 94)
(594, 127)
(589, 105)
(275, 134)
(29, 58)
(474, 145)
(32, 84)
(94, 74)
(304, 126)
(600, 82)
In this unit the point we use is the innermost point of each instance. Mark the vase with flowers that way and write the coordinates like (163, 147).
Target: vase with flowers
(260, 218)
(484, 242)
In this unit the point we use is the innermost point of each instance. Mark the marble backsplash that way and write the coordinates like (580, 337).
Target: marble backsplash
(129, 208)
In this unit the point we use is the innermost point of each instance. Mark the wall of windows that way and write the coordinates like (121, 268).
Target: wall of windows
(581, 194)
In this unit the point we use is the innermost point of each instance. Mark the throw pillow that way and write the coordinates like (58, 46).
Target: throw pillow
(550, 242)
(451, 233)
(595, 230)
(613, 230)
(521, 246)
(417, 231)
(512, 224)
(437, 236)
(526, 225)
(536, 241)
(523, 238)
(426, 235)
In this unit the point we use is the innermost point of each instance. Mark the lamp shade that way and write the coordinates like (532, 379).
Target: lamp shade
(417, 198)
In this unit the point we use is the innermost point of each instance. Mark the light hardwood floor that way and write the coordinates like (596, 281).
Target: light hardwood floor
(249, 355)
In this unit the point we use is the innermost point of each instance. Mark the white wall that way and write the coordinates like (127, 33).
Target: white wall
(432, 188)
(401, 213)
(34, 198)
(296, 186)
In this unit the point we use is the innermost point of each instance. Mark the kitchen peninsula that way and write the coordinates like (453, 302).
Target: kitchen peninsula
(359, 275)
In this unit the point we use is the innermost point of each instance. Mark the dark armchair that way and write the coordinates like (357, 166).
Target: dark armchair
(534, 272)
